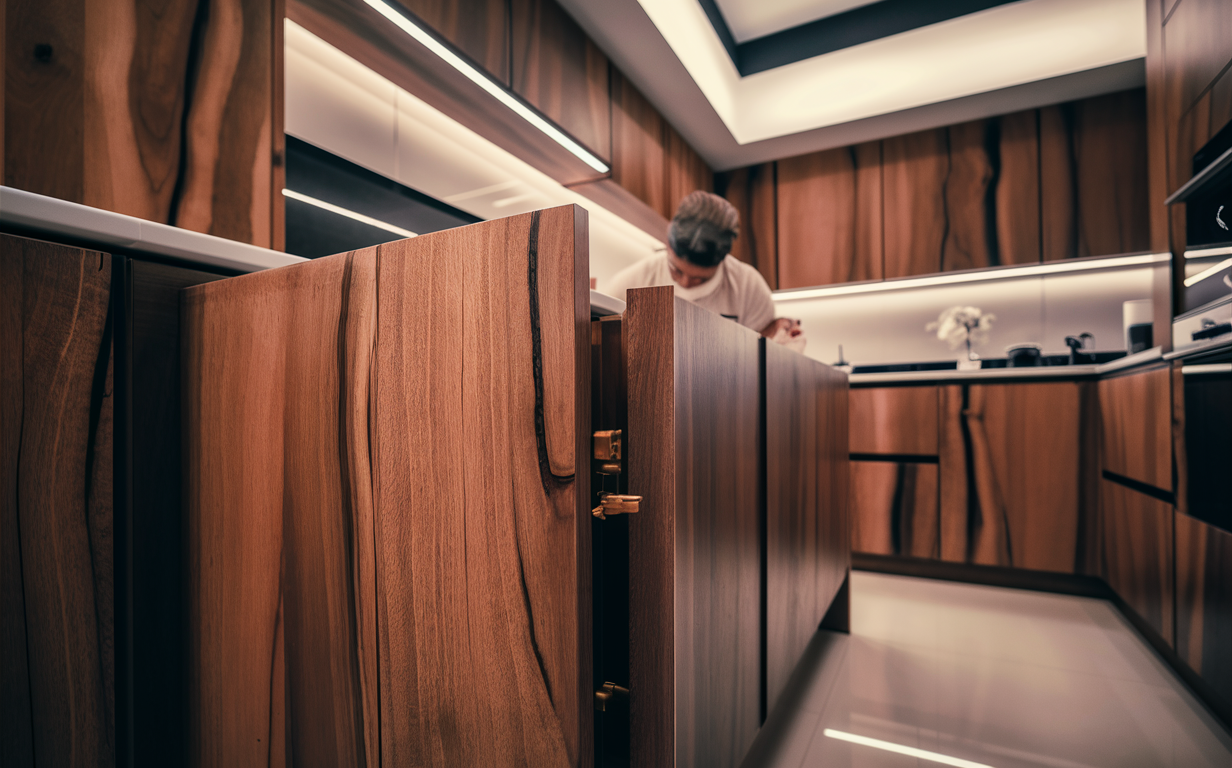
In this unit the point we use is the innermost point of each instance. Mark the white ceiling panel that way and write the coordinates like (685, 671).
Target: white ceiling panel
(751, 19)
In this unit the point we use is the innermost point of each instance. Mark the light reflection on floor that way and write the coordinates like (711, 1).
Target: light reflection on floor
(986, 676)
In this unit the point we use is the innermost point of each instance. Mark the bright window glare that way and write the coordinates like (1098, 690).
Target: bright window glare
(483, 81)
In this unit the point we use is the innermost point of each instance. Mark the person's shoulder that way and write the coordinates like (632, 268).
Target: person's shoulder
(641, 269)
(745, 274)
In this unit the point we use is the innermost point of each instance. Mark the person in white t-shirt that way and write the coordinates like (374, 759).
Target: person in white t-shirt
(699, 265)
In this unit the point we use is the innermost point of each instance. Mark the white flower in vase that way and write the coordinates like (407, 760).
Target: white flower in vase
(963, 325)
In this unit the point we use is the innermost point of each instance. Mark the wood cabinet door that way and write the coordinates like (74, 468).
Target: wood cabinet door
(1011, 475)
(694, 551)
(57, 608)
(1137, 426)
(894, 421)
(388, 503)
(806, 514)
(894, 508)
(1204, 603)
(1138, 553)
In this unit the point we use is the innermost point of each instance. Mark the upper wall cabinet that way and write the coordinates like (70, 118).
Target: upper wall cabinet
(962, 197)
(751, 190)
(686, 171)
(1196, 49)
(1093, 176)
(479, 28)
(830, 217)
(638, 153)
(561, 72)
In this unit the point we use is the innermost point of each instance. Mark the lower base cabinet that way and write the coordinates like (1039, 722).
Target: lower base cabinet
(1204, 603)
(1137, 553)
(894, 509)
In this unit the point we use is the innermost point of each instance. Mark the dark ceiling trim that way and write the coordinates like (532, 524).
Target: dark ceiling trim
(834, 33)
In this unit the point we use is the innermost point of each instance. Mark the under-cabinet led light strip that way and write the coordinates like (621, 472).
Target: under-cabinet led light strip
(422, 37)
(1208, 272)
(348, 213)
(1006, 273)
(1208, 252)
(889, 746)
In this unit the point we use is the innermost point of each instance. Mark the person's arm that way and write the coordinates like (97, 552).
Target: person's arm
(758, 304)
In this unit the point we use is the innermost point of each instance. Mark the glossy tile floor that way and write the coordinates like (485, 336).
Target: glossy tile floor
(985, 676)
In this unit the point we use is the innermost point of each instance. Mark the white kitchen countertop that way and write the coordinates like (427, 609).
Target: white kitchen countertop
(39, 215)
(1001, 374)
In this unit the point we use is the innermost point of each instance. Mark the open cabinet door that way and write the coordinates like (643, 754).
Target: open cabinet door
(694, 401)
(388, 487)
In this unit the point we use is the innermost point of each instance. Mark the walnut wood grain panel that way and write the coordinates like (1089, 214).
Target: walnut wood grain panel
(894, 509)
(639, 152)
(686, 170)
(1093, 176)
(968, 188)
(695, 589)
(1137, 426)
(129, 111)
(1011, 475)
(834, 494)
(1197, 48)
(894, 420)
(1157, 134)
(1204, 602)
(478, 28)
(752, 191)
(157, 609)
(1138, 553)
(56, 520)
(483, 555)
(830, 217)
(558, 69)
(914, 170)
(805, 512)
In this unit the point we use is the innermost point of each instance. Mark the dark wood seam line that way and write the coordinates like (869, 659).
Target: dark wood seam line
(1146, 489)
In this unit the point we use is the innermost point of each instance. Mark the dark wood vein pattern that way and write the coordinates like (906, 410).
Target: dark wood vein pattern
(639, 151)
(914, 171)
(131, 110)
(1138, 553)
(408, 508)
(1204, 602)
(57, 659)
(1011, 475)
(802, 445)
(159, 616)
(830, 216)
(1137, 426)
(686, 170)
(694, 549)
(1093, 176)
(752, 191)
(478, 28)
(894, 420)
(558, 69)
(894, 509)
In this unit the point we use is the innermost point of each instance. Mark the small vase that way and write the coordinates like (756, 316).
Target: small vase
(972, 361)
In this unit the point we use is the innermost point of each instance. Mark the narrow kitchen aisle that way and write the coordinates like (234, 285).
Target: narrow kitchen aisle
(985, 676)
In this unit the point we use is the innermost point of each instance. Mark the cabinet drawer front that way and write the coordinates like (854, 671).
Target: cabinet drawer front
(1137, 427)
(1138, 553)
(899, 420)
(894, 509)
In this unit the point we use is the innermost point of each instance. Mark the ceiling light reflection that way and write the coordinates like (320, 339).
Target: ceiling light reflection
(889, 746)
(348, 213)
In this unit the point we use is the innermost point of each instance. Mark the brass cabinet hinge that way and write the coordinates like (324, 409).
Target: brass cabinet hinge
(606, 693)
(607, 451)
(616, 504)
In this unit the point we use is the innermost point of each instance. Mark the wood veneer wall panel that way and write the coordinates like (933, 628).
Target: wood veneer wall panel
(694, 599)
(1138, 553)
(1016, 446)
(131, 106)
(894, 420)
(639, 138)
(1196, 48)
(558, 69)
(479, 28)
(752, 191)
(1137, 426)
(686, 170)
(483, 570)
(894, 509)
(830, 217)
(1204, 602)
(914, 170)
(56, 519)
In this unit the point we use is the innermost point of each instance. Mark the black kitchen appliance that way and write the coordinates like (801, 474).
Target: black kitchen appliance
(1208, 223)
(1208, 438)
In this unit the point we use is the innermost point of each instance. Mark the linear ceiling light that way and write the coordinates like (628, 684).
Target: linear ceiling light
(1035, 270)
(348, 213)
(890, 746)
(477, 77)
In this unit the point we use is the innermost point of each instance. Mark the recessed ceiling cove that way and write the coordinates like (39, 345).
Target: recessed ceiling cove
(1007, 45)
(751, 19)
